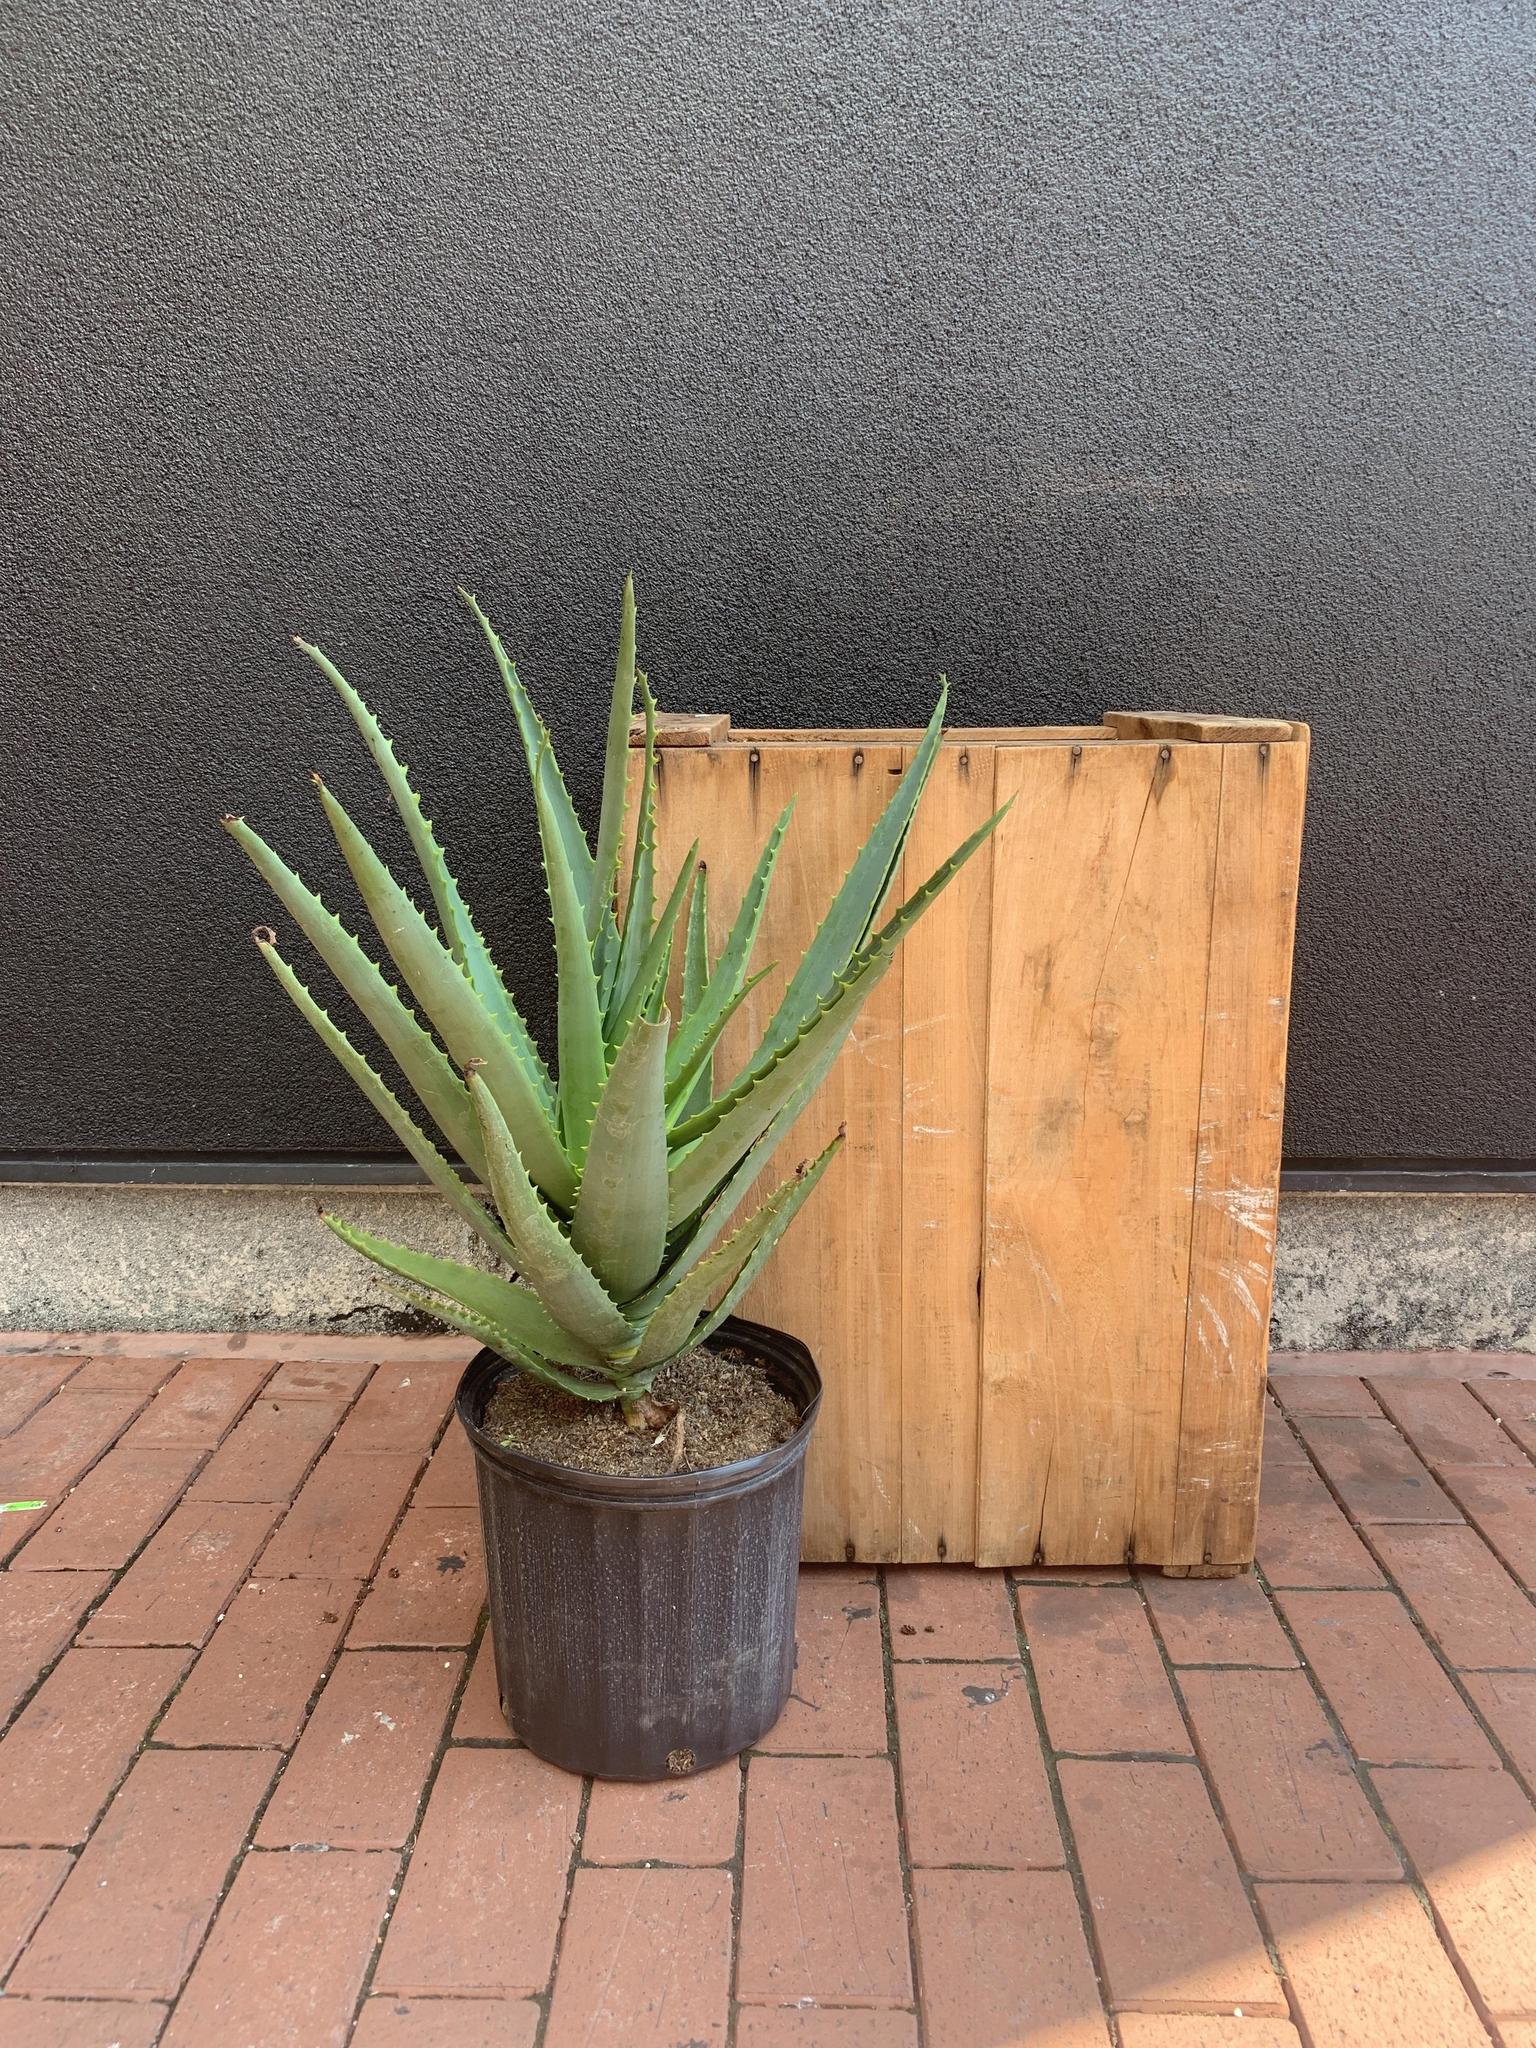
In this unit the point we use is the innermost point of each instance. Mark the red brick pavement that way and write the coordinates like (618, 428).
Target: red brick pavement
(255, 1785)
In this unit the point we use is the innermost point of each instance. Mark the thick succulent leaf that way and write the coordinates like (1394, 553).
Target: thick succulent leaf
(441, 1092)
(606, 956)
(696, 948)
(610, 829)
(619, 1224)
(846, 926)
(656, 1000)
(671, 1325)
(693, 1240)
(438, 1170)
(684, 1096)
(546, 1258)
(639, 911)
(543, 768)
(717, 1139)
(703, 1024)
(458, 926)
(443, 990)
(651, 972)
(505, 1345)
(764, 1249)
(516, 1309)
(579, 1017)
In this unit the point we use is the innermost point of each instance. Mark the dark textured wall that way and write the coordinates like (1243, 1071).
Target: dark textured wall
(1177, 354)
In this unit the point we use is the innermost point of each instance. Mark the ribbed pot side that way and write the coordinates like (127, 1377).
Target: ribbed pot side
(645, 1627)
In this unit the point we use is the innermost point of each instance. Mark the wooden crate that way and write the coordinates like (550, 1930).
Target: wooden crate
(1038, 1280)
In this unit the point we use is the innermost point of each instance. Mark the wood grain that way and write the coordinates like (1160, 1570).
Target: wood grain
(1069, 1087)
(1202, 728)
(944, 1082)
(837, 1281)
(1237, 1174)
(1101, 933)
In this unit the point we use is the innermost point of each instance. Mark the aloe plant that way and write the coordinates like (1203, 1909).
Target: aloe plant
(608, 1188)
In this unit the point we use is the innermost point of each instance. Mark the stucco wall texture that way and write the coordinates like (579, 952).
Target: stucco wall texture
(1175, 355)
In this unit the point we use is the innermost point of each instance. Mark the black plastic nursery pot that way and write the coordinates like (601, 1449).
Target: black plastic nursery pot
(645, 1627)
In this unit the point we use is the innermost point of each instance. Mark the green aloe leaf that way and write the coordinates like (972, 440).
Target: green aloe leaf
(506, 1346)
(696, 948)
(846, 926)
(546, 1258)
(708, 1146)
(671, 1326)
(656, 1001)
(763, 1250)
(691, 1091)
(444, 991)
(639, 911)
(700, 1084)
(441, 1092)
(651, 971)
(458, 926)
(579, 1017)
(543, 768)
(610, 829)
(438, 1170)
(619, 1224)
(692, 1240)
(515, 1309)
(703, 1024)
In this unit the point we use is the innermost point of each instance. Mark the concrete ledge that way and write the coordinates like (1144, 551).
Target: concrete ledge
(1435, 1272)
(1356, 1272)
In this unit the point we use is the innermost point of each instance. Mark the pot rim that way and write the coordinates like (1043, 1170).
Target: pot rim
(773, 1348)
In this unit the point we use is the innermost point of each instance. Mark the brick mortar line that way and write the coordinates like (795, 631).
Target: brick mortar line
(1071, 1859)
(445, 1740)
(918, 2007)
(250, 1576)
(365, 1585)
(284, 1756)
(738, 1865)
(545, 1999)
(115, 1572)
(1472, 1387)
(1415, 1619)
(405, 1852)
(1294, 1422)
(1414, 1877)
(43, 1399)
(1218, 1807)
(146, 1741)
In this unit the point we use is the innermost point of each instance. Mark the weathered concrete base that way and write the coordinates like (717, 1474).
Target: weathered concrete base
(1356, 1272)
(1406, 1273)
(201, 1258)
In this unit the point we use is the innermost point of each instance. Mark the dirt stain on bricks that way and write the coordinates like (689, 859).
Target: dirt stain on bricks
(450, 1564)
(984, 1695)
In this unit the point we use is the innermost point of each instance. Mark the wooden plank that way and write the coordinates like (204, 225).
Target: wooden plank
(684, 729)
(1237, 1176)
(944, 1081)
(1102, 904)
(836, 1280)
(1203, 728)
(902, 735)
